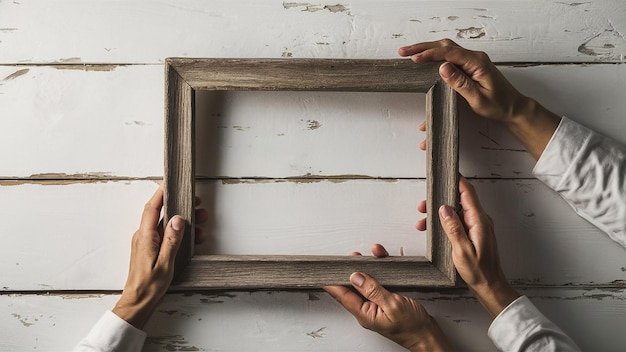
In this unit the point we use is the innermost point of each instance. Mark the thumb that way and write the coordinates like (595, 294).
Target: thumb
(369, 288)
(453, 227)
(172, 238)
(458, 80)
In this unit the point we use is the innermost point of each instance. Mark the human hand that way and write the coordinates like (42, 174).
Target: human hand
(396, 317)
(488, 92)
(475, 252)
(473, 75)
(152, 261)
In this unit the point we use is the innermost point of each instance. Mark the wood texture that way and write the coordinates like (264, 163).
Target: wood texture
(347, 75)
(179, 172)
(185, 75)
(442, 181)
(290, 271)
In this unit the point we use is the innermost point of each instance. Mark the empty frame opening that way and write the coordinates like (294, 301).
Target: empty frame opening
(310, 173)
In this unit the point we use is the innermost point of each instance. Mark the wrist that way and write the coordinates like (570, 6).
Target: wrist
(496, 296)
(432, 338)
(135, 312)
(532, 124)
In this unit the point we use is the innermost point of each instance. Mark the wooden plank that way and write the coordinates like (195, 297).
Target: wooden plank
(179, 173)
(347, 75)
(290, 272)
(527, 31)
(542, 241)
(442, 181)
(86, 123)
(121, 127)
(287, 321)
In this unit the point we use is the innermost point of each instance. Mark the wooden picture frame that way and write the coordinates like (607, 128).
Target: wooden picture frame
(183, 76)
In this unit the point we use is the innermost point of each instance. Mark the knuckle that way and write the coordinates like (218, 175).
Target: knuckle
(395, 304)
(453, 227)
(373, 291)
(448, 42)
(482, 56)
(462, 82)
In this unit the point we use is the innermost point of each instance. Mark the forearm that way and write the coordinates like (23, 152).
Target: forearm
(533, 125)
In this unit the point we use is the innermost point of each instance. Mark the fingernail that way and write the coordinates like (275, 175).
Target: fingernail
(357, 279)
(178, 223)
(446, 70)
(445, 211)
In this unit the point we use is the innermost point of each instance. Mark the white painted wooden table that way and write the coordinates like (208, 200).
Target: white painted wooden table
(81, 148)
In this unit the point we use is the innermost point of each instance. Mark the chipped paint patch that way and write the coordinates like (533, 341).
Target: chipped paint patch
(287, 54)
(453, 18)
(583, 49)
(396, 36)
(241, 128)
(314, 297)
(88, 67)
(138, 123)
(171, 343)
(573, 3)
(23, 320)
(20, 182)
(308, 7)
(174, 312)
(16, 74)
(70, 60)
(7, 29)
(54, 176)
(313, 125)
(471, 33)
(337, 8)
(317, 334)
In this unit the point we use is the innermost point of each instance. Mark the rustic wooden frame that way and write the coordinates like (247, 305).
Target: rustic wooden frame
(184, 76)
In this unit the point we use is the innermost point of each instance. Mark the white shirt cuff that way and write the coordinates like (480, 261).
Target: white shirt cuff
(112, 334)
(522, 327)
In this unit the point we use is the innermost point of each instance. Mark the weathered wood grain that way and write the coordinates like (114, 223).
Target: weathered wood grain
(289, 272)
(122, 129)
(530, 222)
(346, 75)
(304, 321)
(90, 123)
(521, 31)
(185, 75)
(442, 181)
(179, 172)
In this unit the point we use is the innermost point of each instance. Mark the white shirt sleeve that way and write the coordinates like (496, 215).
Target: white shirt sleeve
(588, 170)
(521, 327)
(112, 334)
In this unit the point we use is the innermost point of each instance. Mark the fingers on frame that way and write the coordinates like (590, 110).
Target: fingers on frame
(373, 291)
(171, 242)
(349, 299)
(420, 47)
(468, 196)
(152, 210)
